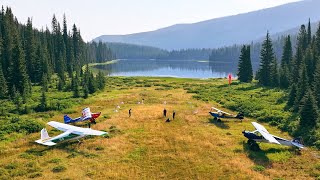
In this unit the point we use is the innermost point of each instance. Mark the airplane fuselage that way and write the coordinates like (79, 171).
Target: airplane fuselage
(257, 138)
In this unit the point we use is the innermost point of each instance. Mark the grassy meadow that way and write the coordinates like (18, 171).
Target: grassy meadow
(144, 146)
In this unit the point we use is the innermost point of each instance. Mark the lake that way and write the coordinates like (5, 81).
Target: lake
(168, 68)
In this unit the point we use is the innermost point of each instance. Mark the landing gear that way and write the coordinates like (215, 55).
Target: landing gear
(253, 145)
(79, 142)
(217, 119)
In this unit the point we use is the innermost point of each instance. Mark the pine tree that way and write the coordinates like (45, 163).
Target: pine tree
(292, 95)
(245, 73)
(30, 53)
(60, 84)
(310, 66)
(3, 85)
(75, 86)
(7, 35)
(284, 77)
(43, 102)
(274, 73)
(316, 84)
(92, 84)
(302, 87)
(317, 41)
(18, 73)
(267, 57)
(309, 116)
(38, 65)
(44, 83)
(16, 98)
(85, 91)
(309, 35)
(287, 55)
(303, 38)
(101, 81)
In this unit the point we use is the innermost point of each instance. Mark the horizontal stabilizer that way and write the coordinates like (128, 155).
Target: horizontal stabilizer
(297, 145)
(47, 143)
(68, 120)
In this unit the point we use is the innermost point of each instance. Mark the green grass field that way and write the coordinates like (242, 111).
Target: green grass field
(145, 147)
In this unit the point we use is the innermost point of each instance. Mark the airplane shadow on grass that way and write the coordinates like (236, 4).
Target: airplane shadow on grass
(221, 124)
(69, 146)
(260, 157)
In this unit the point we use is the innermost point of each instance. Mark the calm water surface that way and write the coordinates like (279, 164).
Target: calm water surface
(168, 68)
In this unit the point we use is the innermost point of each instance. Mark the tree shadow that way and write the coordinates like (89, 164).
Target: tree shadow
(219, 124)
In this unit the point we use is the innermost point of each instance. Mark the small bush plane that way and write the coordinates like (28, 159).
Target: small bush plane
(86, 115)
(221, 114)
(70, 133)
(266, 137)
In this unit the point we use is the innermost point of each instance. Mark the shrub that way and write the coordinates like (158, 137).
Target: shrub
(258, 168)
(59, 169)
(30, 126)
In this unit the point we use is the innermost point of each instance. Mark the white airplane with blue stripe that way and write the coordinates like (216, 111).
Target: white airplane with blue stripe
(268, 138)
(69, 133)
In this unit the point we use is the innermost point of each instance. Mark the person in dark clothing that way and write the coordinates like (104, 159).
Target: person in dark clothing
(168, 120)
(165, 112)
(173, 115)
(129, 112)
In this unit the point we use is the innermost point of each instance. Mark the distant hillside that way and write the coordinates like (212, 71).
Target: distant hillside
(132, 51)
(225, 31)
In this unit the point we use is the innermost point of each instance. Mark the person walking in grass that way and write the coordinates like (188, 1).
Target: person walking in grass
(164, 112)
(130, 112)
(173, 115)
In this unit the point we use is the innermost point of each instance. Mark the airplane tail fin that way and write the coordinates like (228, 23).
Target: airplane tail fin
(298, 142)
(45, 136)
(240, 115)
(67, 119)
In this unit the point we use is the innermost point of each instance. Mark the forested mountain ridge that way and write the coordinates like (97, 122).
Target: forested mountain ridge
(132, 51)
(225, 31)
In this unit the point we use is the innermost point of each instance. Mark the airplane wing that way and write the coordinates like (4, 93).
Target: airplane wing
(75, 130)
(221, 111)
(215, 108)
(265, 133)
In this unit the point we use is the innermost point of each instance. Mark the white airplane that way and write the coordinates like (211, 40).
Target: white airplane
(221, 114)
(70, 133)
(266, 137)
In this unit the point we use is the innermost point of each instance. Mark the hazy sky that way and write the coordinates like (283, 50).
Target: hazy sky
(98, 17)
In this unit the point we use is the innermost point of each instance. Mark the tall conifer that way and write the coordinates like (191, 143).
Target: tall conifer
(3, 84)
(30, 53)
(267, 57)
(245, 73)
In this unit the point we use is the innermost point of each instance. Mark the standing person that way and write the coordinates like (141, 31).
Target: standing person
(173, 115)
(164, 112)
(130, 112)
